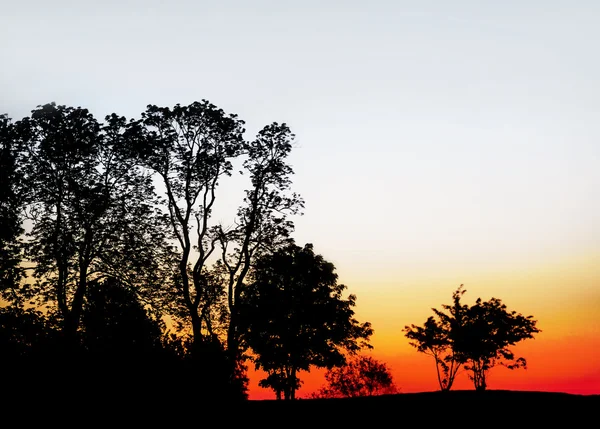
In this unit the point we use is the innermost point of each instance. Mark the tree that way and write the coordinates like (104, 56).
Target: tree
(293, 317)
(10, 210)
(360, 376)
(478, 337)
(191, 148)
(116, 326)
(486, 336)
(263, 223)
(121, 340)
(436, 338)
(92, 211)
(25, 336)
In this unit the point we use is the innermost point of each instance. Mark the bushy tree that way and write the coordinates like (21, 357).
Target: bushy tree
(488, 332)
(25, 335)
(359, 376)
(115, 324)
(294, 316)
(29, 350)
(92, 211)
(476, 337)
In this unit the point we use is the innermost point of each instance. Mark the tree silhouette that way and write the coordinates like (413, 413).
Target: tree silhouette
(121, 340)
(486, 335)
(359, 376)
(10, 210)
(262, 223)
(293, 317)
(477, 338)
(94, 214)
(191, 148)
(115, 324)
(436, 338)
(30, 351)
(91, 210)
(24, 335)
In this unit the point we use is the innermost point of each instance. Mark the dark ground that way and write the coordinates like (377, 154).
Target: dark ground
(493, 408)
(164, 408)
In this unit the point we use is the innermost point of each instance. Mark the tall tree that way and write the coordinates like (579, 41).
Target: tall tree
(293, 316)
(91, 210)
(486, 337)
(191, 148)
(10, 210)
(263, 220)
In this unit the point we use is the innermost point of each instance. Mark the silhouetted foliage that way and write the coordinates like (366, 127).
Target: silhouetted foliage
(30, 351)
(94, 222)
(191, 148)
(201, 369)
(436, 338)
(293, 316)
(487, 335)
(478, 337)
(125, 343)
(10, 210)
(115, 325)
(359, 376)
(24, 335)
(262, 223)
(91, 210)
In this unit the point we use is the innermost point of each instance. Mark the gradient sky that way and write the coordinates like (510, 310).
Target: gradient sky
(438, 143)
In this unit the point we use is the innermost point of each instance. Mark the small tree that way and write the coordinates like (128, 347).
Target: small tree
(477, 338)
(436, 338)
(488, 332)
(360, 376)
(293, 316)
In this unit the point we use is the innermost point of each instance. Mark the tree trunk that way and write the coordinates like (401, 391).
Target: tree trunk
(196, 328)
(292, 384)
(73, 317)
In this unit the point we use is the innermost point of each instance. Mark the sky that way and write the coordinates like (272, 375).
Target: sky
(437, 143)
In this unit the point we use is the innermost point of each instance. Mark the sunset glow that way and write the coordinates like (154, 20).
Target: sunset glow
(436, 144)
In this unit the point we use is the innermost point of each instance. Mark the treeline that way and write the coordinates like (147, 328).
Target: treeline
(115, 276)
(113, 272)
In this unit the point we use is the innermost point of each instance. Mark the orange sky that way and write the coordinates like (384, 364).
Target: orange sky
(564, 297)
(568, 364)
(438, 143)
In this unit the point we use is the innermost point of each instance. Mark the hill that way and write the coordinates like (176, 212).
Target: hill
(455, 408)
(164, 407)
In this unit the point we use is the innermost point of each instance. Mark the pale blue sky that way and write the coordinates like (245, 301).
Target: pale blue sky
(433, 136)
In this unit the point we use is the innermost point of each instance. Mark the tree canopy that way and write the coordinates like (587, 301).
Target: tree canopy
(294, 317)
(90, 209)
